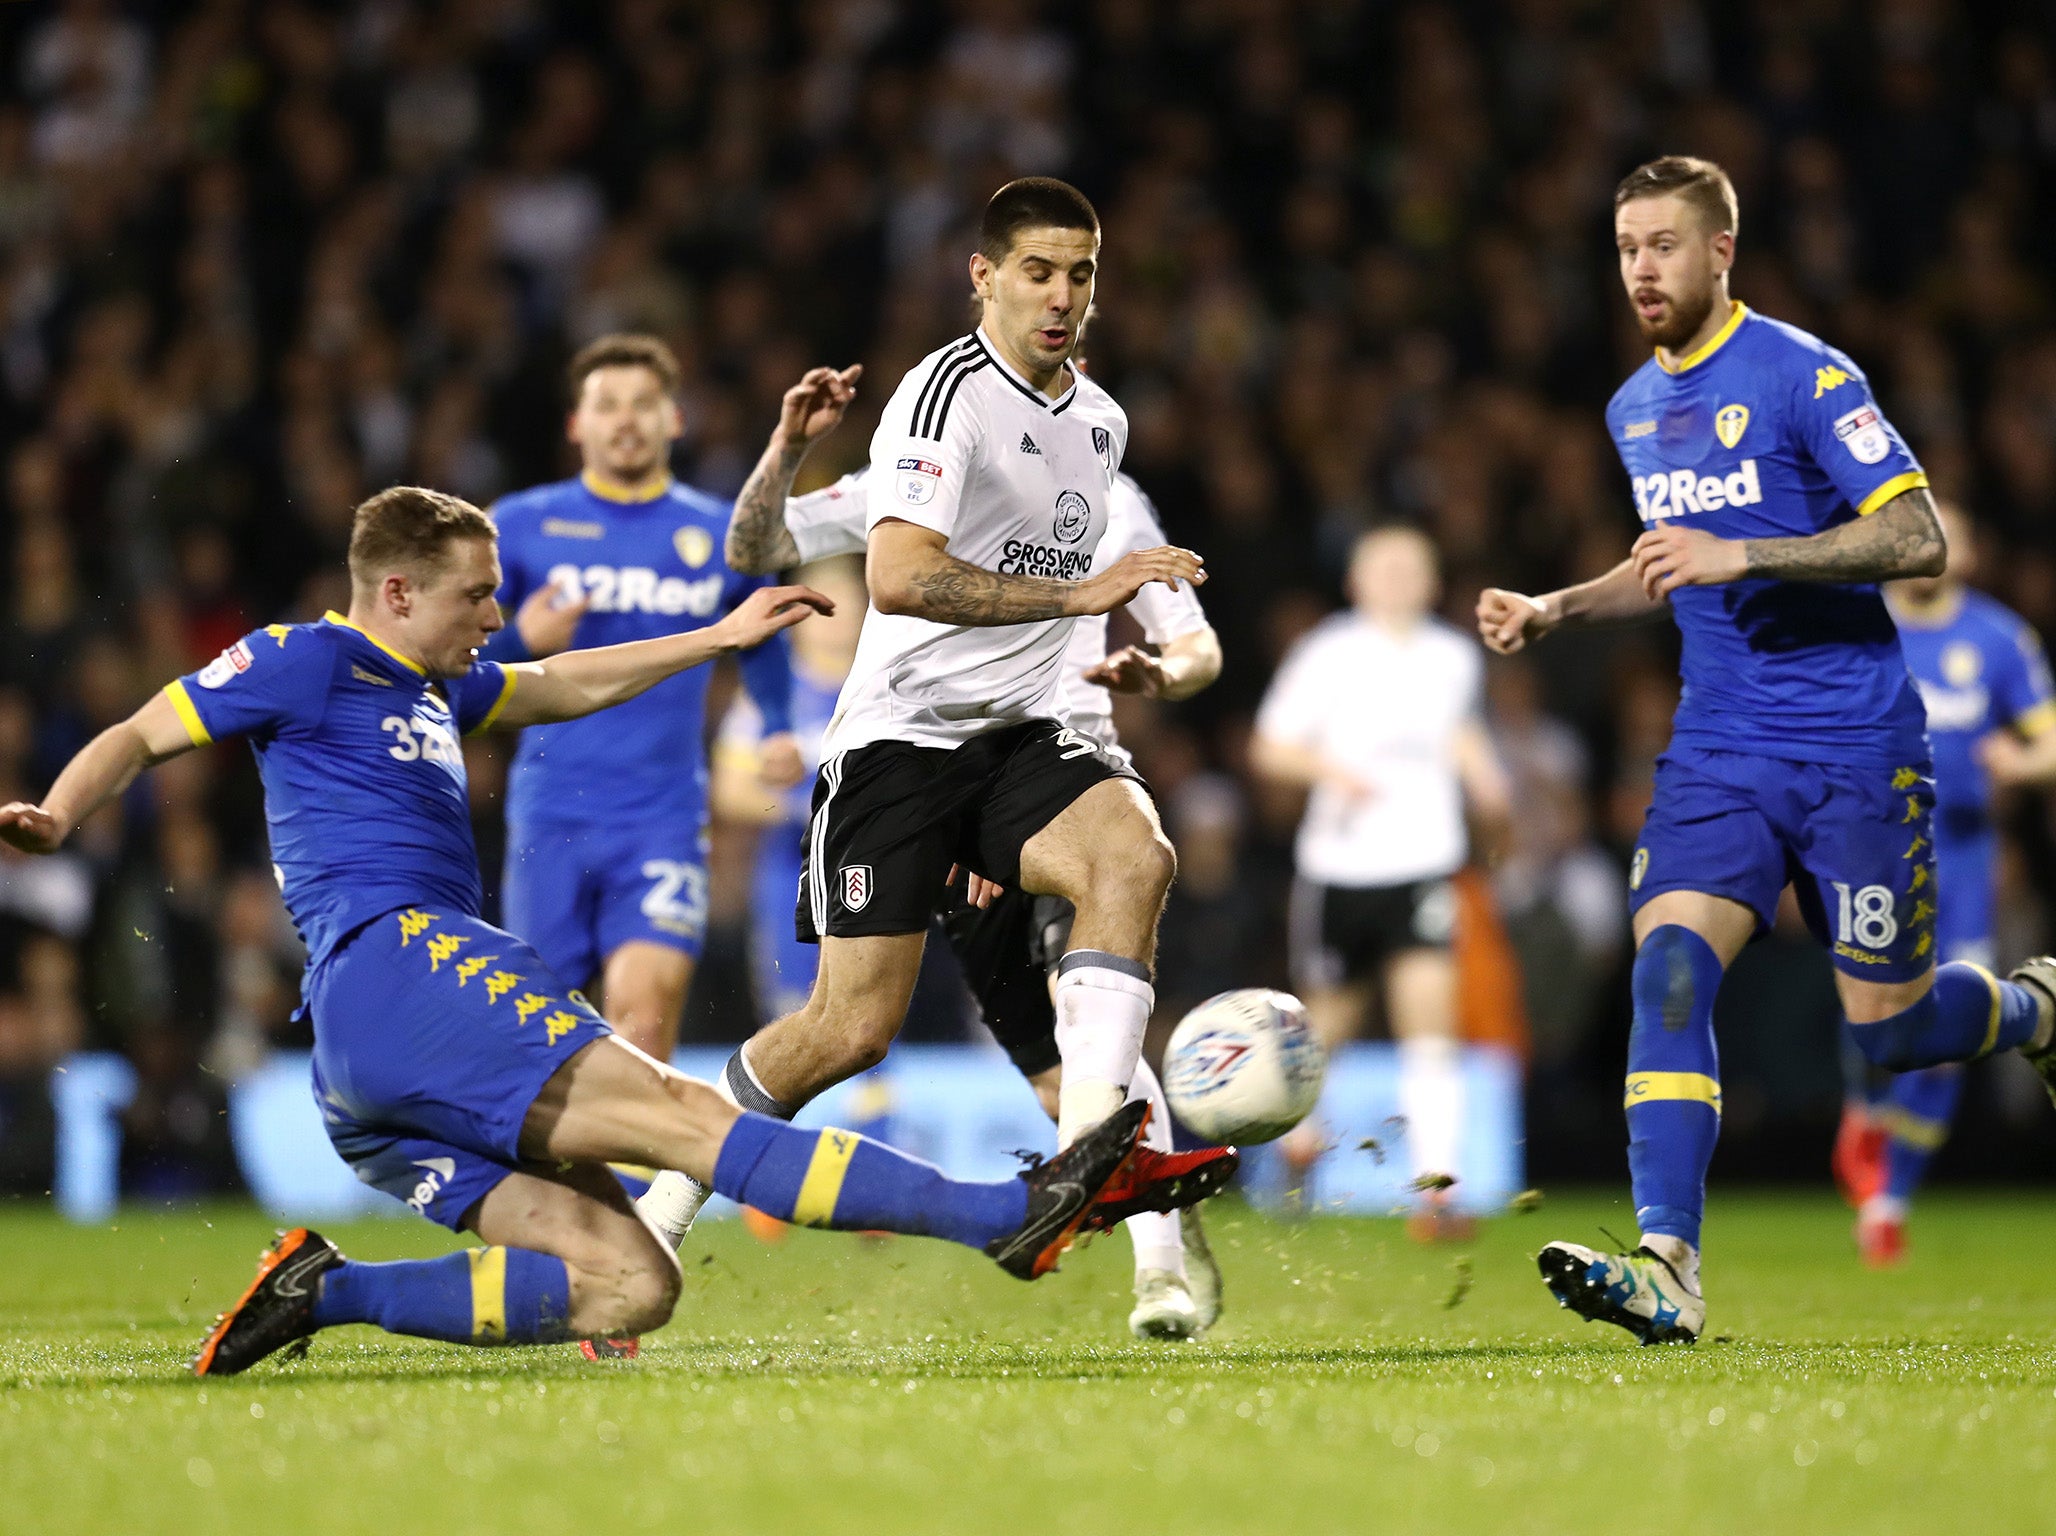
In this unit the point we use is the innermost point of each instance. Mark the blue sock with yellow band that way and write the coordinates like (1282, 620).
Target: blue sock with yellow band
(1966, 1014)
(1673, 1097)
(838, 1179)
(1916, 1111)
(479, 1296)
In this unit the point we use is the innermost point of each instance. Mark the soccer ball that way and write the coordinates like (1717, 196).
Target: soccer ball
(1244, 1067)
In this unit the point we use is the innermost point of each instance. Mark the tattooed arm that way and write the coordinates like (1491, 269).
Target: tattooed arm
(1902, 538)
(910, 571)
(758, 541)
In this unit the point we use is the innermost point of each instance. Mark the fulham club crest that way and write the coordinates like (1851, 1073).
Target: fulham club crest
(856, 886)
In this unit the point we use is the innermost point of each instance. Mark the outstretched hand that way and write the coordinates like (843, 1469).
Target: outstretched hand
(768, 610)
(815, 406)
(548, 618)
(29, 828)
(1119, 582)
(1129, 670)
(1507, 621)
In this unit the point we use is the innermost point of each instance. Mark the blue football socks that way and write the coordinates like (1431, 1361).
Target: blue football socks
(838, 1179)
(1673, 1089)
(480, 1296)
(1966, 1014)
(1916, 1111)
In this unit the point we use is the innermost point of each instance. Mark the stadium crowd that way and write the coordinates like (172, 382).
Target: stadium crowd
(257, 261)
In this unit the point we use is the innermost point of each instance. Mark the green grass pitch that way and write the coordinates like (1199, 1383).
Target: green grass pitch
(1358, 1384)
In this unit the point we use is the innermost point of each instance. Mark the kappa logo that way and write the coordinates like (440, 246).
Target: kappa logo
(1635, 429)
(1825, 379)
(856, 886)
(1028, 445)
(1729, 423)
(364, 676)
(440, 1171)
(567, 528)
(1074, 516)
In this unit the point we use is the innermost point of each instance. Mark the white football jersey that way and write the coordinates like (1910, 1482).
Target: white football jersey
(1389, 708)
(1017, 483)
(830, 522)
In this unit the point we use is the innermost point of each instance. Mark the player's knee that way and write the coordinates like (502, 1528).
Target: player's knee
(1902, 1041)
(648, 1294)
(1136, 869)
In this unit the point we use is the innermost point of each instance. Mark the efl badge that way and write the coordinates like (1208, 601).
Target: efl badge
(1729, 423)
(856, 886)
(694, 545)
(915, 481)
(1862, 432)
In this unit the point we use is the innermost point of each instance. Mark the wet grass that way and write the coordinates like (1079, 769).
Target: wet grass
(1358, 1383)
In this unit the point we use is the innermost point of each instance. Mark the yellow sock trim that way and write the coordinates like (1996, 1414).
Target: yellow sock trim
(1914, 1130)
(822, 1186)
(488, 1295)
(1991, 1019)
(1697, 1087)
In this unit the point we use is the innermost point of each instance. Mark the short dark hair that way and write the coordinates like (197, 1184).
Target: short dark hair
(1033, 202)
(1699, 182)
(623, 350)
(408, 528)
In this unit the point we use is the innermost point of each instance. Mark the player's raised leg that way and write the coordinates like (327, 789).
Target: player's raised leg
(1107, 855)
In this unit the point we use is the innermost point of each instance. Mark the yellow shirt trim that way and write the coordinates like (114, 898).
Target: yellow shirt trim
(1736, 315)
(1898, 485)
(2037, 721)
(406, 661)
(507, 677)
(188, 716)
(628, 495)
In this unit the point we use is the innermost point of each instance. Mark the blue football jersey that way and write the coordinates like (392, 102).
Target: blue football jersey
(364, 790)
(1980, 668)
(1767, 432)
(646, 567)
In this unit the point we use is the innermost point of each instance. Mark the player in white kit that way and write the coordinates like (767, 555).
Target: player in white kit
(991, 475)
(1377, 714)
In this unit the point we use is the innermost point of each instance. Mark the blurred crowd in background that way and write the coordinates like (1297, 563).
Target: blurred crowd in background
(258, 260)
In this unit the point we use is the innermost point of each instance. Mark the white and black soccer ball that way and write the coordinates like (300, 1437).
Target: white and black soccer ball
(1244, 1067)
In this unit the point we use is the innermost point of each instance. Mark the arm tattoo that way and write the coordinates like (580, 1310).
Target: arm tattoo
(953, 592)
(1902, 538)
(758, 542)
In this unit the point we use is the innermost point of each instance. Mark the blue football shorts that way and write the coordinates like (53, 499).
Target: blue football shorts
(578, 892)
(433, 1034)
(1966, 864)
(1855, 843)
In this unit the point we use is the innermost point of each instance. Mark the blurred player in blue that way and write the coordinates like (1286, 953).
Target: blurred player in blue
(1991, 718)
(454, 1071)
(606, 871)
(1775, 497)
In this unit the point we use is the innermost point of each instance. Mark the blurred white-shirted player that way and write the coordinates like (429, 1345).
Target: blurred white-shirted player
(1377, 714)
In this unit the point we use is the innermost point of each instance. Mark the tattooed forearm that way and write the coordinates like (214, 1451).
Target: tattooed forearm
(758, 541)
(1902, 538)
(951, 592)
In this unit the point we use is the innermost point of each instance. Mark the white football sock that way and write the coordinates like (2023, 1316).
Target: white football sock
(1679, 1254)
(1431, 1098)
(1103, 1003)
(671, 1204)
(1155, 1234)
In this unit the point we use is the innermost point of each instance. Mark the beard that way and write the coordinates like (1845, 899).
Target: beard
(1680, 323)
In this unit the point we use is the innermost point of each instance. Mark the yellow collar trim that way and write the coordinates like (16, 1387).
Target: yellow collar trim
(406, 661)
(1736, 315)
(627, 495)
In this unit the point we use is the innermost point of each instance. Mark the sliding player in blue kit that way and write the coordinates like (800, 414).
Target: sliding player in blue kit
(454, 1071)
(1775, 497)
(1991, 718)
(606, 871)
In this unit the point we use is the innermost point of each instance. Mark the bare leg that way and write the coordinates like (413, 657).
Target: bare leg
(623, 1279)
(642, 993)
(858, 1003)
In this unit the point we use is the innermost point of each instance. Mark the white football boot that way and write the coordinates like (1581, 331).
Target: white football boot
(1637, 1291)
